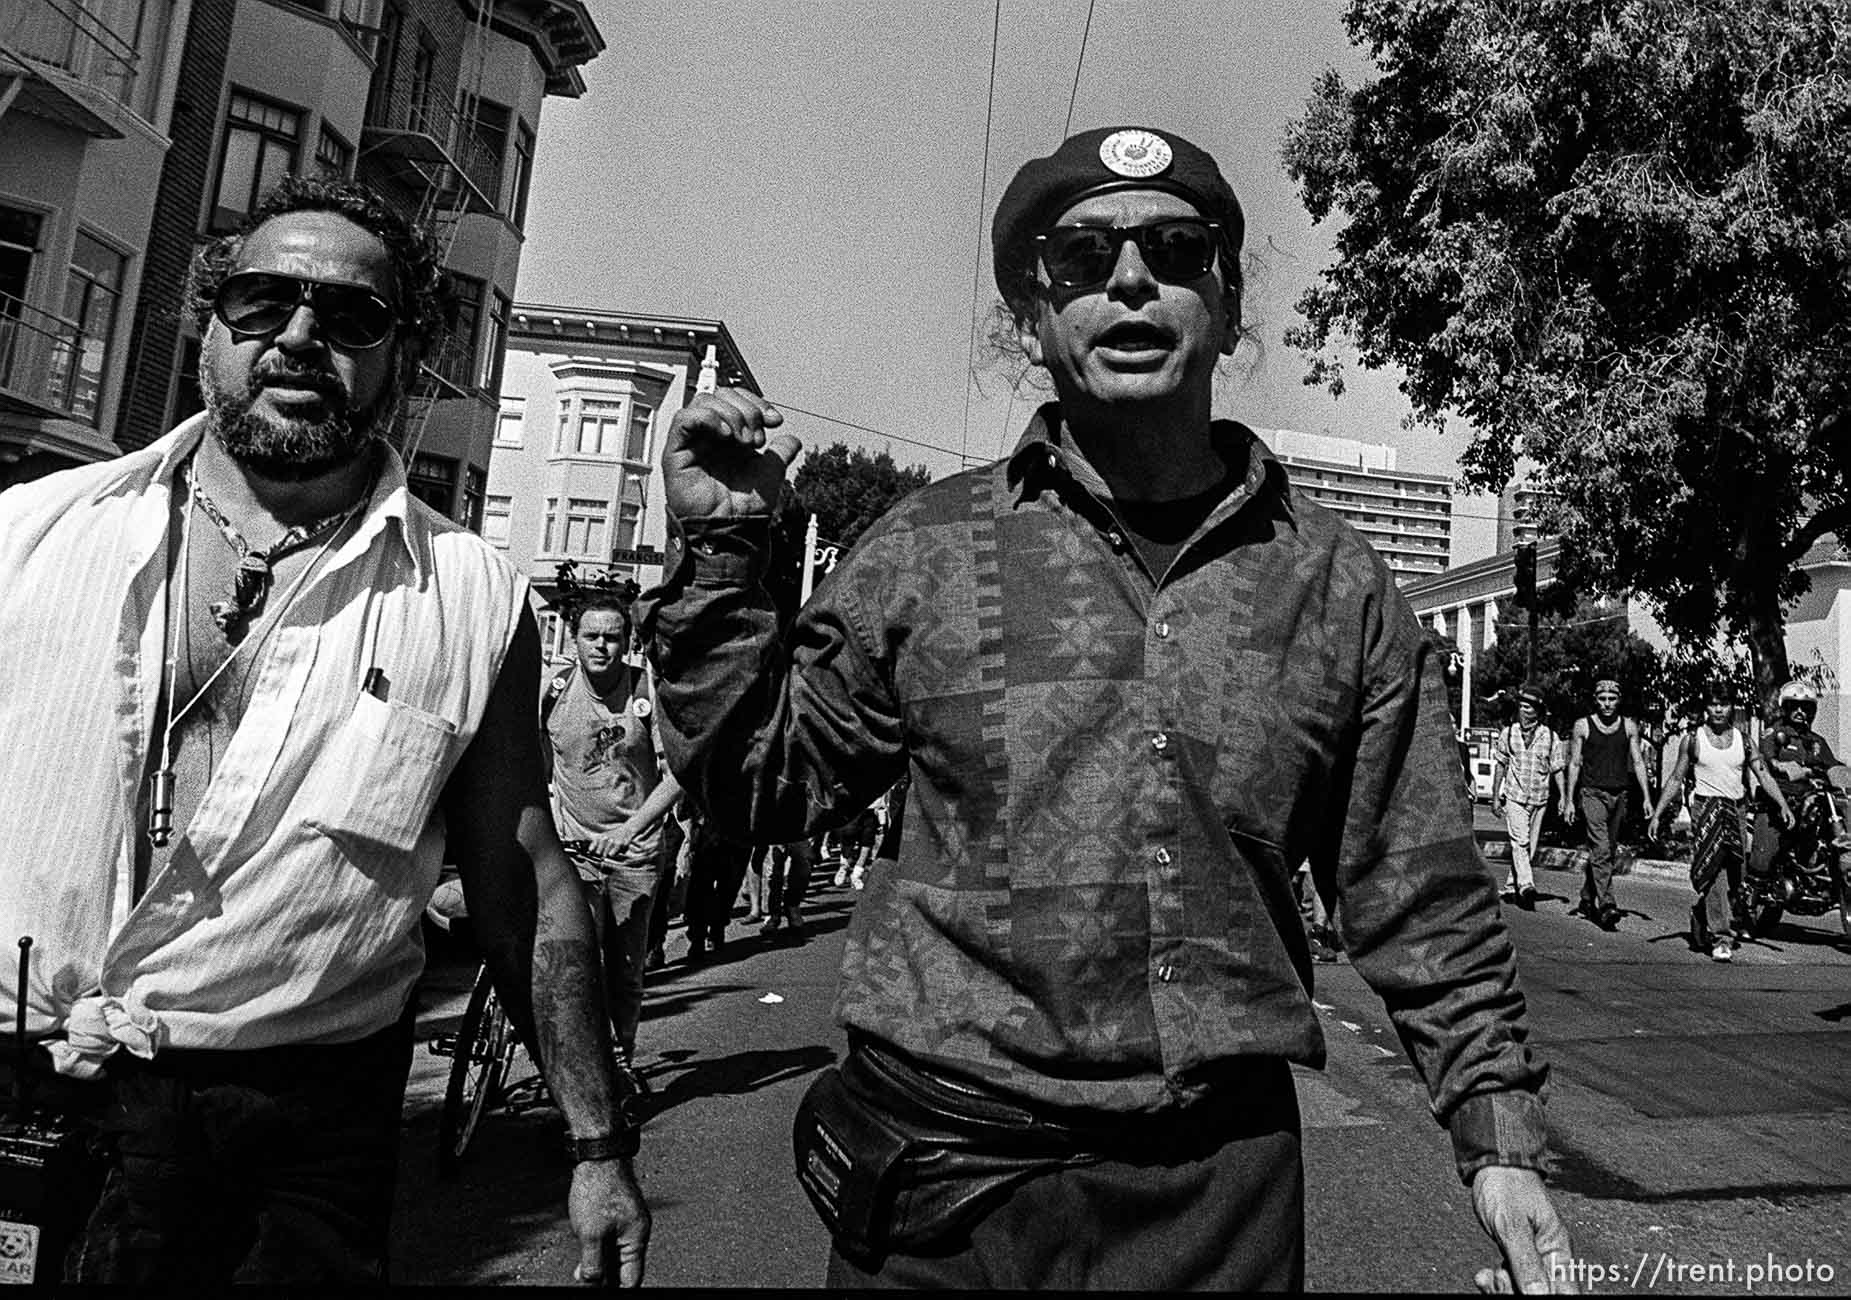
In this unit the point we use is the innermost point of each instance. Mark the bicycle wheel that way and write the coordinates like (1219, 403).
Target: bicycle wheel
(483, 1045)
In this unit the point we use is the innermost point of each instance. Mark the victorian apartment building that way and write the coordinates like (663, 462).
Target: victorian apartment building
(130, 129)
(586, 396)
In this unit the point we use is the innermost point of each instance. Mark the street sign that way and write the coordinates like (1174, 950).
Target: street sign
(637, 555)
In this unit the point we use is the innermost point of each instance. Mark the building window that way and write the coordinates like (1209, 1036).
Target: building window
(496, 513)
(630, 511)
(475, 492)
(488, 128)
(585, 524)
(549, 529)
(523, 172)
(600, 428)
(333, 155)
(457, 362)
(550, 629)
(19, 242)
(638, 447)
(494, 343)
(261, 138)
(510, 425)
(423, 69)
(432, 479)
(385, 64)
(91, 296)
(559, 434)
(187, 399)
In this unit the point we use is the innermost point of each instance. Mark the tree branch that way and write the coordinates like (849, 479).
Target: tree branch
(1833, 519)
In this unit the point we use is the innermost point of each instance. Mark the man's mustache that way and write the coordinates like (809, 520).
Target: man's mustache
(297, 377)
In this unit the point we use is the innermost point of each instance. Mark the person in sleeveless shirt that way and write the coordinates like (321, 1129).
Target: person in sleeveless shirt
(1604, 763)
(610, 792)
(1720, 760)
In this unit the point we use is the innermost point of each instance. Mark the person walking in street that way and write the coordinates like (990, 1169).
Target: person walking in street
(1604, 761)
(787, 880)
(717, 865)
(1721, 761)
(610, 793)
(255, 692)
(1136, 677)
(1523, 780)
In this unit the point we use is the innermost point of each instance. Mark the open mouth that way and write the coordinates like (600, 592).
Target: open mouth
(1135, 339)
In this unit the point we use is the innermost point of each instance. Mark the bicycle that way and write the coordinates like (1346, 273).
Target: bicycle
(483, 1053)
(484, 1049)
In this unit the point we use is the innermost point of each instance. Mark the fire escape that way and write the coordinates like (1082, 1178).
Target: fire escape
(425, 152)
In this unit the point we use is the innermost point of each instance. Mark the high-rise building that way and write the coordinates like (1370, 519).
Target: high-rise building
(1519, 508)
(585, 399)
(1407, 517)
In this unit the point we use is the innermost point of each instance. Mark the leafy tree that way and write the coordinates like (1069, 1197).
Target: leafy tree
(848, 489)
(1574, 649)
(1613, 236)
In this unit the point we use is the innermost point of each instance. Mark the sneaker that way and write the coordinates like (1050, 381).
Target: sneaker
(841, 876)
(1722, 951)
(1609, 919)
(656, 959)
(858, 879)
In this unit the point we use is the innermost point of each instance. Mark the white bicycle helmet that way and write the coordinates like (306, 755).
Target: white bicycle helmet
(1796, 692)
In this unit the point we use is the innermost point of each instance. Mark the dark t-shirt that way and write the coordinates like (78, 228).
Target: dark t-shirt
(1159, 528)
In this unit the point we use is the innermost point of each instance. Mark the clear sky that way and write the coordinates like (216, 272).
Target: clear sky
(812, 172)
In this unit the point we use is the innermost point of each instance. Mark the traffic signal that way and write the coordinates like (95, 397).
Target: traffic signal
(1525, 556)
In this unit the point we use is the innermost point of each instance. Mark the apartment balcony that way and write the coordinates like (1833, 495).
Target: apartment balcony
(60, 61)
(48, 365)
(434, 154)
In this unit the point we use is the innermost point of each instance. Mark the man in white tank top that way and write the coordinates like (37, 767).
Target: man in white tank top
(1720, 759)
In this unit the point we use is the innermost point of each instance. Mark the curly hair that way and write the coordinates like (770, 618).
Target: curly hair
(422, 287)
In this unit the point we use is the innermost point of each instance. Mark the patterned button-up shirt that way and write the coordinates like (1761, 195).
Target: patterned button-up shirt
(1528, 763)
(1114, 776)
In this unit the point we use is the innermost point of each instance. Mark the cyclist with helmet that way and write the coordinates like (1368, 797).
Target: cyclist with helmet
(1793, 749)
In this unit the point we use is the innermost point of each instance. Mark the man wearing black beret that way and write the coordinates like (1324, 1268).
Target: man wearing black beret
(1135, 679)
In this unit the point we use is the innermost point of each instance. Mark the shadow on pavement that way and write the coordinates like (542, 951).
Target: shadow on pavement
(735, 1075)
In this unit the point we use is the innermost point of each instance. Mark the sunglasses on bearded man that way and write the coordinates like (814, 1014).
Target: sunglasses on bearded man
(262, 302)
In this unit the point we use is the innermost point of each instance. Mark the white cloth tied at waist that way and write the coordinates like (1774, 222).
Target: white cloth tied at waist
(99, 1026)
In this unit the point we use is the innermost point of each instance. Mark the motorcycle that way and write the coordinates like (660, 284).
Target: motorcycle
(1805, 876)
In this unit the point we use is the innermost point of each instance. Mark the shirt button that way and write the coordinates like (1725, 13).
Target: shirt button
(1162, 630)
(1117, 540)
(1053, 460)
(1163, 857)
(1166, 973)
(1159, 742)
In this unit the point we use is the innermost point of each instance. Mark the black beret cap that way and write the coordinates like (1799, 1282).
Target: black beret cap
(1093, 162)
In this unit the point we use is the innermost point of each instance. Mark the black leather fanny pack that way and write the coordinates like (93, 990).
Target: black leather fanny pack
(896, 1160)
(894, 1157)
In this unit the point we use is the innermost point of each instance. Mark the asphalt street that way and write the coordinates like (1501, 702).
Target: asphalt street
(1700, 1116)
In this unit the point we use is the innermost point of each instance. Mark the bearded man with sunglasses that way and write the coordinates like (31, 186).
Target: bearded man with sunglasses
(1135, 679)
(252, 687)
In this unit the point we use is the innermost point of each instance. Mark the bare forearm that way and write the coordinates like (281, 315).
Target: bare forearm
(571, 1025)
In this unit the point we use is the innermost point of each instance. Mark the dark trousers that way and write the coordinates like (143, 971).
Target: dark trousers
(1233, 1219)
(717, 871)
(662, 910)
(1602, 811)
(790, 866)
(273, 1166)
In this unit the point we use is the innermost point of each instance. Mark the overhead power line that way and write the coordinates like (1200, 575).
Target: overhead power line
(1078, 63)
(983, 203)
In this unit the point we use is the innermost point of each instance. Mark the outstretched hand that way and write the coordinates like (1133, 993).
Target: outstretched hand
(719, 461)
(1515, 1209)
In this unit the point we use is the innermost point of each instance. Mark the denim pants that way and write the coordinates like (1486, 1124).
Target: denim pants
(1524, 822)
(620, 901)
(1603, 811)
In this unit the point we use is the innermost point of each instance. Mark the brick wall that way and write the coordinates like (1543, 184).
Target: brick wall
(153, 345)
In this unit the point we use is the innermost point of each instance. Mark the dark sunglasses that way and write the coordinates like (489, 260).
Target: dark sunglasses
(261, 302)
(1177, 250)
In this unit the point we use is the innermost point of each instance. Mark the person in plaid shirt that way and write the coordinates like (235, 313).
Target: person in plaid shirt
(1527, 758)
(1135, 678)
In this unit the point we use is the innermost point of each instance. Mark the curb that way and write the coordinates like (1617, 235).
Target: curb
(1575, 861)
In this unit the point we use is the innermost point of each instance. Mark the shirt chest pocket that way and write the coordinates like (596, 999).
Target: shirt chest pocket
(375, 786)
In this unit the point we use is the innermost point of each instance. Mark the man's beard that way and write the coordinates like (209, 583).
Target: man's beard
(291, 449)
